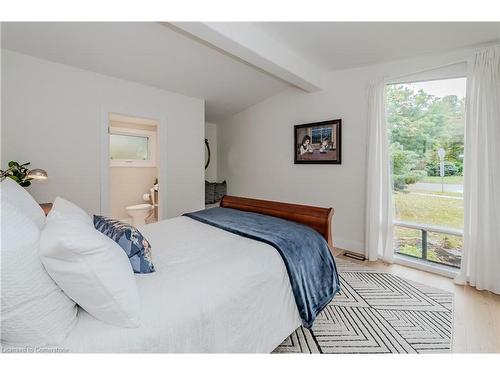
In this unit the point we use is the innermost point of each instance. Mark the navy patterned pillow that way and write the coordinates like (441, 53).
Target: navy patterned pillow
(131, 241)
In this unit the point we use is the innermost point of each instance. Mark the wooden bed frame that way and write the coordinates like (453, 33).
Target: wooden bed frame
(318, 218)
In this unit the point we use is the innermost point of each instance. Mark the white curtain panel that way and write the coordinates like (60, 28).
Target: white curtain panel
(379, 204)
(481, 250)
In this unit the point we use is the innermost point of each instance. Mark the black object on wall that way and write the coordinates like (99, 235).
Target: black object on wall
(207, 146)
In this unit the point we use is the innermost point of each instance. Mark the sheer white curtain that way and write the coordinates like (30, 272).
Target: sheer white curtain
(481, 250)
(379, 204)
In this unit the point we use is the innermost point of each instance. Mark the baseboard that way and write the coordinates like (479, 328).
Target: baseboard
(352, 246)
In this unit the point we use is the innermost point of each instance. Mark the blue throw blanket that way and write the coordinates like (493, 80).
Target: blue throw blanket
(307, 258)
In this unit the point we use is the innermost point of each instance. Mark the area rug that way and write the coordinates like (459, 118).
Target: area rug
(378, 312)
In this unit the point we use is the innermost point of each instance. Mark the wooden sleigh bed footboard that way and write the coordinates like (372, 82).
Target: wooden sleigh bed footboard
(318, 218)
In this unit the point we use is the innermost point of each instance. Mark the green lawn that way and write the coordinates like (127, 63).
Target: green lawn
(446, 179)
(434, 210)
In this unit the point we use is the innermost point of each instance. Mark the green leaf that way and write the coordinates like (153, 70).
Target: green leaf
(13, 163)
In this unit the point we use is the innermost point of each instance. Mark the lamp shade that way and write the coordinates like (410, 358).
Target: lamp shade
(38, 174)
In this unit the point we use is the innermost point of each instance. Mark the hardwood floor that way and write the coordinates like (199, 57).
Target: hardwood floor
(476, 316)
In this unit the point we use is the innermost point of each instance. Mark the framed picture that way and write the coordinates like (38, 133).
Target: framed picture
(318, 143)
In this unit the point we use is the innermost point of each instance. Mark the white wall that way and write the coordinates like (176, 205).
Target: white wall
(211, 135)
(256, 146)
(54, 115)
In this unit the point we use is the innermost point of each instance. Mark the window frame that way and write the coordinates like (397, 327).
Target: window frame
(150, 135)
(453, 71)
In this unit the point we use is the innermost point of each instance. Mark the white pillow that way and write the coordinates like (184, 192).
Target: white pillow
(17, 196)
(63, 209)
(34, 310)
(91, 268)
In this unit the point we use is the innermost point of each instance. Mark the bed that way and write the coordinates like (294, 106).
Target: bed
(213, 290)
(225, 294)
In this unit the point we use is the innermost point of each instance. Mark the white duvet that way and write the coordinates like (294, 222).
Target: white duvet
(213, 291)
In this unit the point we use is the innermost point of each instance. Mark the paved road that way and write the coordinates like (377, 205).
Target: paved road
(450, 188)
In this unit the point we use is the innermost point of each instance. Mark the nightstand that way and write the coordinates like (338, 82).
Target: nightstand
(46, 207)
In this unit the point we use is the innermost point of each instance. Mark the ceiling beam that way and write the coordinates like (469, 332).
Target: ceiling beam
(253, 46)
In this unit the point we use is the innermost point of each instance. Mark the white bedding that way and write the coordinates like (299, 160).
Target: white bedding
(212, 291)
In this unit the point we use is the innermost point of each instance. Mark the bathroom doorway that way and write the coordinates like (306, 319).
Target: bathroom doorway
(133, 169)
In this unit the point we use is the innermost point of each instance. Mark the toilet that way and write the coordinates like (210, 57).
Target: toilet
(139, 213)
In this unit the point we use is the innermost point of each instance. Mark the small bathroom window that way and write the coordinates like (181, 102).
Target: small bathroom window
(132, 147)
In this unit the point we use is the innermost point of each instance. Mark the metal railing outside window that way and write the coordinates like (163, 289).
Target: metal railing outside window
(454, 259)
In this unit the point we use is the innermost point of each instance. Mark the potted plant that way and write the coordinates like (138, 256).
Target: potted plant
(21, 174)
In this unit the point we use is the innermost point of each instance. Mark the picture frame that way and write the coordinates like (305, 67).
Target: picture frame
(318, 142)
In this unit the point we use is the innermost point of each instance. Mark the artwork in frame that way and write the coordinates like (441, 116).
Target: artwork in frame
(318, 142)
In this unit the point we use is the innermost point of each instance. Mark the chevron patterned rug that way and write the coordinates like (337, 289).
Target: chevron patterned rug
(377, 312)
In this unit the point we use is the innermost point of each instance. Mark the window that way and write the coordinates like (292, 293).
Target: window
(132, 147)
(426, 125)
(318, 134)
(128, 147)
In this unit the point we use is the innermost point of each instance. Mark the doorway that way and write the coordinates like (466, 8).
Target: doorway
(133, 169)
